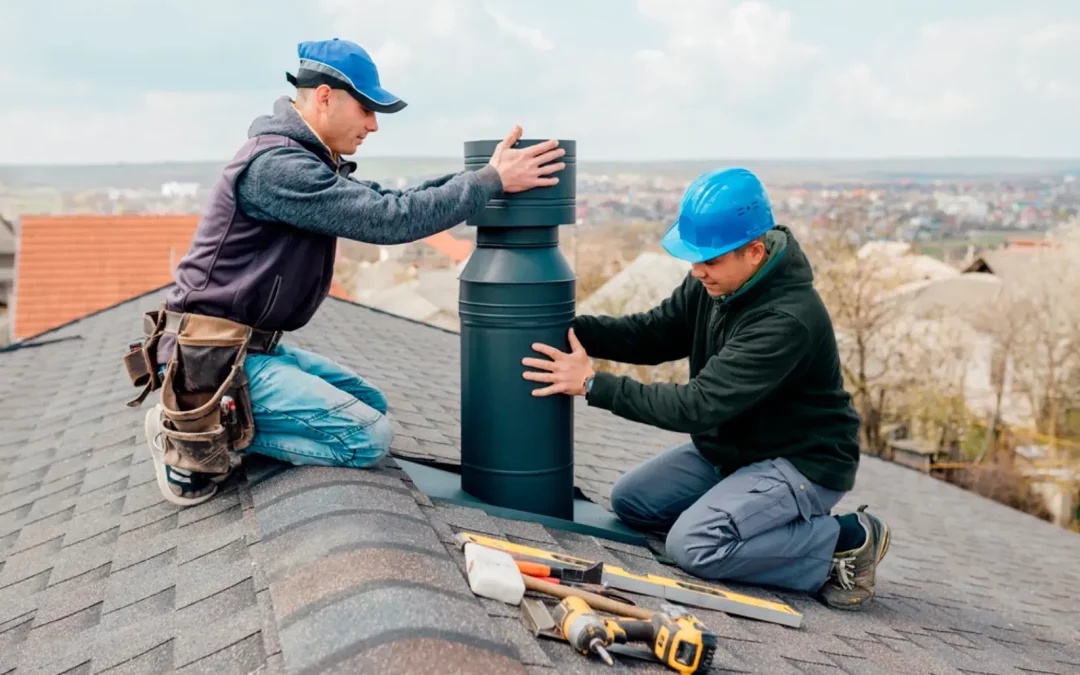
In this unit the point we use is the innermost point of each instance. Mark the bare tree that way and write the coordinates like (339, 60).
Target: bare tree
(902, 364)
(854, 288)
(1004, 322)
(935, 362)
(1034, 326)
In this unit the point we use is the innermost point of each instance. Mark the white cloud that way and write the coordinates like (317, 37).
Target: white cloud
(856, 90)
(407, 23)
(699, 90)
(650, 79)
(533, 37)
(746, 46)
(392, 57)
(158, 126)
(442, 17)
(466, 59)
(995, 84)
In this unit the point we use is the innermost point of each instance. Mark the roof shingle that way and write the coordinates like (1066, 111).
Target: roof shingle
(306, 570)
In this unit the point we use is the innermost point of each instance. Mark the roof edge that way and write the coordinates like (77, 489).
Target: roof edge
(25, 342)
(76, 320)
(395, 316)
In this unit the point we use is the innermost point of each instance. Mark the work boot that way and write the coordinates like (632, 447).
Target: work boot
(179, 486)
(852, 576)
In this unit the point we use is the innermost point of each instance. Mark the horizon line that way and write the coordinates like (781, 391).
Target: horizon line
(450, 158)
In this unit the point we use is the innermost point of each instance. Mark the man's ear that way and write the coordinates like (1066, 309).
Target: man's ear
(323, 94)
(759, 251)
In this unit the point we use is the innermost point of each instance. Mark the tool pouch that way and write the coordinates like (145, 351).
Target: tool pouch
(205, 396)
(140, 361)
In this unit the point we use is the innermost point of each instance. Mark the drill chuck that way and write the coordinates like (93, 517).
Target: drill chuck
(582, 628)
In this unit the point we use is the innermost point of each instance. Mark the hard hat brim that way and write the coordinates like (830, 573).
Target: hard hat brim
(673, 243)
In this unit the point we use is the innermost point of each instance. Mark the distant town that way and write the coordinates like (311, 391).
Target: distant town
(948, 208)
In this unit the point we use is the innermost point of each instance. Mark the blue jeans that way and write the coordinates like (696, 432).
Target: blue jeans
(310, 410)
(764, 524)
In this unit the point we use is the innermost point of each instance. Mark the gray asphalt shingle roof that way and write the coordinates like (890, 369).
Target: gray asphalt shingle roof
(307, 570)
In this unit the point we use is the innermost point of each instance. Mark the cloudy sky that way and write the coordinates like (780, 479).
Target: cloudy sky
(130, 80)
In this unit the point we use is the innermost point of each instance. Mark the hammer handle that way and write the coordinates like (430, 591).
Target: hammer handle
(597, 602)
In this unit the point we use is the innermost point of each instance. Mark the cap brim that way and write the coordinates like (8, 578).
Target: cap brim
(376, 99)
(379, 100)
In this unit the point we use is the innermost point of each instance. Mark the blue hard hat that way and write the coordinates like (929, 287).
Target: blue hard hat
(343, 65)
(721, 211)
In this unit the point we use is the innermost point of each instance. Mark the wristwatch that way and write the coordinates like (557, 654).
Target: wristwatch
(588, 384)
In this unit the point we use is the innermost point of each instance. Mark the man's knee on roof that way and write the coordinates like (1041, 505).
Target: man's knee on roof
(626, 503)
(361, 436)
(368, 444)
(701, 549)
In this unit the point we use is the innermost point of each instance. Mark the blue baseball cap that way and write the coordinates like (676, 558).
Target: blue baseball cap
(341, 64)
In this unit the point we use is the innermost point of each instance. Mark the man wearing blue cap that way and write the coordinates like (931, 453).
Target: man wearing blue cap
(774, 437)
(261, 264)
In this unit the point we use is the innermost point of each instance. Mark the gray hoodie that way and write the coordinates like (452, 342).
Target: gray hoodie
(296, 185)
(263, 252)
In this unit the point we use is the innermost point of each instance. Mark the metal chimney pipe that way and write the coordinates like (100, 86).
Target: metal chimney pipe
(517, 450)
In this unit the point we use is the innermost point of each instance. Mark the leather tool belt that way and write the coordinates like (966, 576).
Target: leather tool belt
(207, 414)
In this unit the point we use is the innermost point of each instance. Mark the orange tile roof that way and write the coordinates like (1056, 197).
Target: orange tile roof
(450, 246)
(70, 266)
(338, 291)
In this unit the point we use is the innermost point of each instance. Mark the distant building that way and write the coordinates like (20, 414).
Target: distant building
(119, 194)
(174, 189)
(639, 287)
(429, 296)
(7, 277)
(437, 251)
(7, 261)
(963, 205)
(73, 265)
(898, 260)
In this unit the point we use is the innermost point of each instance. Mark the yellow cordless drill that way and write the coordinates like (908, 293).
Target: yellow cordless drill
(583, 628)
(675, 638)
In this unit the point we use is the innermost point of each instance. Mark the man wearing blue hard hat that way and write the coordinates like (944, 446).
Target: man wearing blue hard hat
(261, 263)
(774, 436)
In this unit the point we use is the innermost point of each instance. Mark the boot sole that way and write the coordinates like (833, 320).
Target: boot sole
(150, 427)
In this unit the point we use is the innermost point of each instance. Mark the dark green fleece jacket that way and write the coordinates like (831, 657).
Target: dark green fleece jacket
(764, 368)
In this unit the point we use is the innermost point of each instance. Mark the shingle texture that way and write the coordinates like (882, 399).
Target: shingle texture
(313, 570)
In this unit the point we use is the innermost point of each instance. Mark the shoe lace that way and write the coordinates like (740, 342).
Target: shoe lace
(843, 569)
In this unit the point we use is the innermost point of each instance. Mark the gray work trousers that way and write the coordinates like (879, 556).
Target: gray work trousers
(765, 524)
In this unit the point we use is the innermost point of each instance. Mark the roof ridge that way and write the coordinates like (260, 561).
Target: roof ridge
(311, 568)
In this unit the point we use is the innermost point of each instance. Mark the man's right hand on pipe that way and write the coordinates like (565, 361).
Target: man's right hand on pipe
(524, 168)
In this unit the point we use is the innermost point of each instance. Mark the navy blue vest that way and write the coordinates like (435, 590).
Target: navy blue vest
(263, 274)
